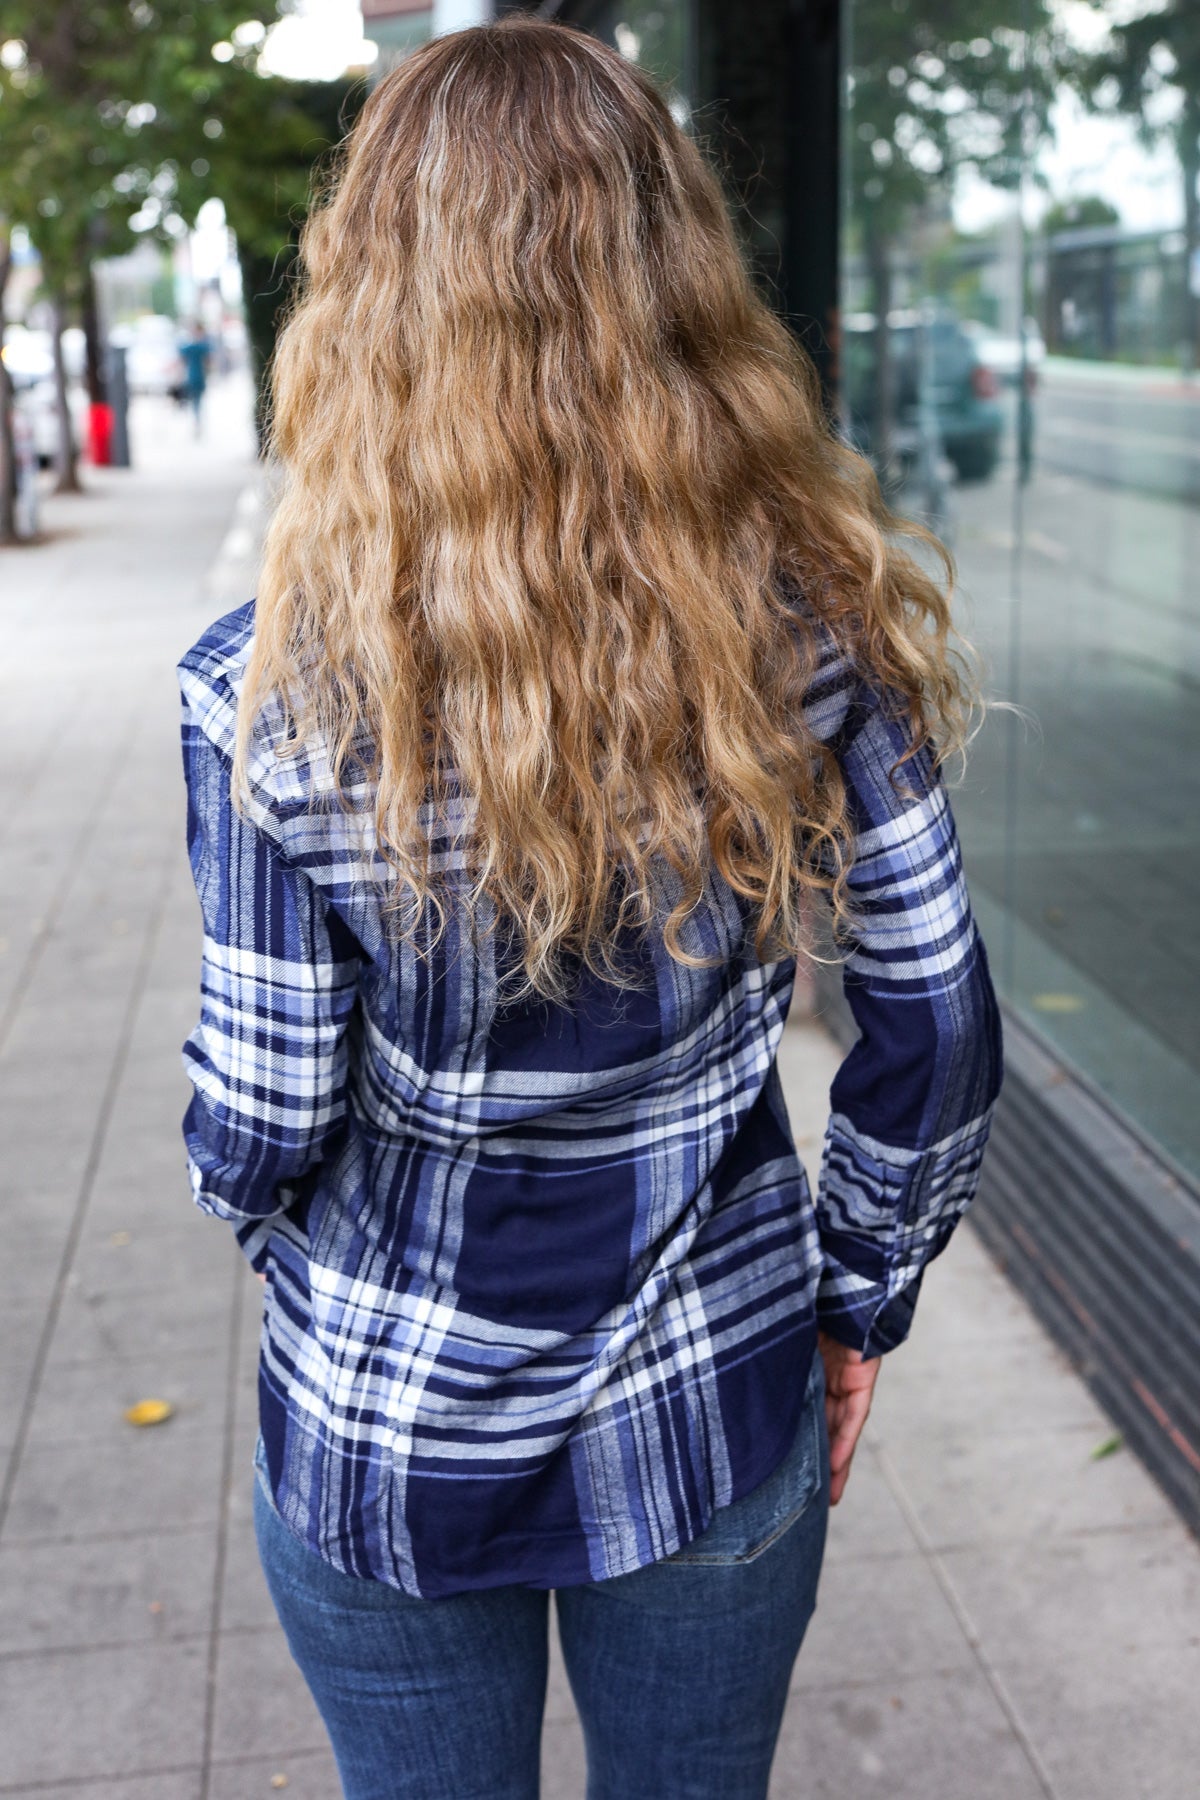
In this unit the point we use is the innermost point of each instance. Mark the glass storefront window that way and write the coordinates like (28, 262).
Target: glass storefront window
(658, 35)
(1021, 329)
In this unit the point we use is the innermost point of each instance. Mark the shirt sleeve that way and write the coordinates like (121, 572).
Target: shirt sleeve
(913, 1101)
(268, 1059)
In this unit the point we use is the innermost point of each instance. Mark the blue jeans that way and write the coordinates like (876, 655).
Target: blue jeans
(679, 1670)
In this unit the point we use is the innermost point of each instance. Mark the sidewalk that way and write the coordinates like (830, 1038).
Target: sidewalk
(1002, 1616)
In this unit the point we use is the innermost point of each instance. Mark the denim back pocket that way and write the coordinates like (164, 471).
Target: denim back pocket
(747, 1529)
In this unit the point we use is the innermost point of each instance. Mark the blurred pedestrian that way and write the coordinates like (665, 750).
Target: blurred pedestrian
(585, 664)
(195, 351)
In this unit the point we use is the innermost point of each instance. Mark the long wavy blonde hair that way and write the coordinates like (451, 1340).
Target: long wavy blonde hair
(554, 477)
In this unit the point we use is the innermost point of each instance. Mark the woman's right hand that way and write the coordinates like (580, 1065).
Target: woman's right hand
(849, 1385)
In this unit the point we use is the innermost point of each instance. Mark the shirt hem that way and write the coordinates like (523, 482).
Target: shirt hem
(436, 1585)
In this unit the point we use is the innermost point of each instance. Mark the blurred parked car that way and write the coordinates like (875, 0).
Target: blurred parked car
(29, 354)
(29, 360)
(942, 389)
(1002, 354)
(38, 404)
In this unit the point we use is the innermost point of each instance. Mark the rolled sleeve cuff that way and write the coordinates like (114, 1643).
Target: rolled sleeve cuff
(861, 1314)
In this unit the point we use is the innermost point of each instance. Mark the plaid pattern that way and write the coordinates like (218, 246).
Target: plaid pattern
(543, 1284)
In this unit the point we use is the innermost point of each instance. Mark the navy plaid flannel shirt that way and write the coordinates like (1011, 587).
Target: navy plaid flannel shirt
(543, 1284)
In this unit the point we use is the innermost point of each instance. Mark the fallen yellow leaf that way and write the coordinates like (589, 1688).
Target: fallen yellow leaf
(149, 1412)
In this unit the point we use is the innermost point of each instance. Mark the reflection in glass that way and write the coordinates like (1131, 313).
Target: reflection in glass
(657, 35)
(1021, 272)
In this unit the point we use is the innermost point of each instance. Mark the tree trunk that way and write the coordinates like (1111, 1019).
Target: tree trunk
(8, 460)
(93, 367)
(66, 460)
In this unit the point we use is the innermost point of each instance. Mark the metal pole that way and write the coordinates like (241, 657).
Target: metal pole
(118, 395)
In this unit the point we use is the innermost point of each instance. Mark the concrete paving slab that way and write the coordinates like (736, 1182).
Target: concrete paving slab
(164, 1784)
(987, 1489)
(1113, 1723)
(28, 1280)
(60, 1116)
(20, 1329)
(1031, 1385)
(151, 1090)
(137, 1187)
(245, 1601)
(560, 1702)
(868, 1520)
(309, 1775)
(135, 1484)
(179, 1320)
(83, 1403)
(54, 1167)
(149, 1588)
(1081, 1598)
(249, 1294)
(878, 1619)
(564, 1763)
(134, 1708)
(920, 1736)
(99, 890)
(262, 1707)
(125, 1260)
(974, 1305)
(242, 1442)
(807, 1068)
(72, 1020)
(166, 1019)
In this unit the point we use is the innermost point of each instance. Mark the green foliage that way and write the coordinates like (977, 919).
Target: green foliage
(1148, 69)
(1141, 61)
(1073, 215)
(266, 234)
(942, 85)
(121, 111)
(117, 109)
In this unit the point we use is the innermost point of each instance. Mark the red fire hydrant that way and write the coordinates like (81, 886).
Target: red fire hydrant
(99, 434)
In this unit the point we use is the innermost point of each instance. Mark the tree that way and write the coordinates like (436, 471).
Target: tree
(265, 198)
(935, 87)
(46, 147)
(124, 116)
(1149, 70)
(1073, 215)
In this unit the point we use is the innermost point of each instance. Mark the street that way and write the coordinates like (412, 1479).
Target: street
(1134, 429)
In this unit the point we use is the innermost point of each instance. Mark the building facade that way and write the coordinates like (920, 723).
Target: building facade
(982, 220)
